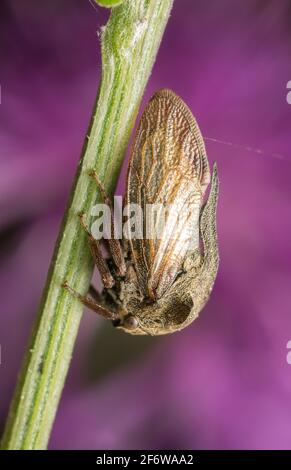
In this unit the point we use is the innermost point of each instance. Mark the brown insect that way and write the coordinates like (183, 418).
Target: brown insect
(158, 285)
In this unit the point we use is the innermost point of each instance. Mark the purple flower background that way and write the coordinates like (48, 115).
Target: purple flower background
(224, 382)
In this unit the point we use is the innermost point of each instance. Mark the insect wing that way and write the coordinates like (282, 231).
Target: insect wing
(167, 177)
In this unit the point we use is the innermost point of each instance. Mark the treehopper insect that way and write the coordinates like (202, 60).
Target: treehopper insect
(159, 285)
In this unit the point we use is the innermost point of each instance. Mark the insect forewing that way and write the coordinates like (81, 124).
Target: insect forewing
(167, 177)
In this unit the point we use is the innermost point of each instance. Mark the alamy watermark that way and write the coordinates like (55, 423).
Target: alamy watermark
(152, 222)
(288, 97)
(288, 356)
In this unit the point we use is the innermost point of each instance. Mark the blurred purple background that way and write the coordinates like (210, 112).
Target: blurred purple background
(224, 382)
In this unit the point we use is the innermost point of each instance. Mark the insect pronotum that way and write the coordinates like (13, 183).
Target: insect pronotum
(158, 285)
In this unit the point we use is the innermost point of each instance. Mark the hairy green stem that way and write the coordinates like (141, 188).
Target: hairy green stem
(130, 41)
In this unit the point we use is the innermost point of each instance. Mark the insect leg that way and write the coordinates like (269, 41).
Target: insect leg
(97, 255)
(114, 244)
(92, 304)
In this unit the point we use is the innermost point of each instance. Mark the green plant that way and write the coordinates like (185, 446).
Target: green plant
(129, 43)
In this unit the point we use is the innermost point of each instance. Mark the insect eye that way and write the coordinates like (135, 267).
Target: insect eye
(131, 322)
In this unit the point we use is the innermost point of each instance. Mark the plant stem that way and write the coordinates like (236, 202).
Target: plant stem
(130, 41)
